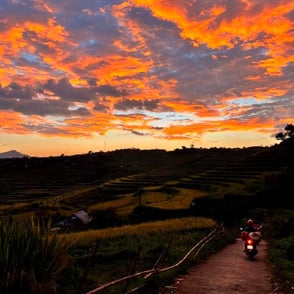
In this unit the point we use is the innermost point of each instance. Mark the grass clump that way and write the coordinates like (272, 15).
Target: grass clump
(31, 257)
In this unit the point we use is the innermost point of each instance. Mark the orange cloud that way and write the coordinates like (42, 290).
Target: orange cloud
(12, 122)
(264, 93)
(265, 28)
(197, 109)
(101, 123)
(192, 130)
(50, 34)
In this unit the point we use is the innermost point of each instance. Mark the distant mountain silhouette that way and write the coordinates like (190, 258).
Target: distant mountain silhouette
(12, 154)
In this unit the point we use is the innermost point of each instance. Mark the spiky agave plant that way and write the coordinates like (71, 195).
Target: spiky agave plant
(31, 257)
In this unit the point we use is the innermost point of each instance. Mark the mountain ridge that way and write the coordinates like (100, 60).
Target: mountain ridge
(12, 154)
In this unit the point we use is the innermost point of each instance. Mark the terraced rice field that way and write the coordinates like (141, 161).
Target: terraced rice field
(151, 184)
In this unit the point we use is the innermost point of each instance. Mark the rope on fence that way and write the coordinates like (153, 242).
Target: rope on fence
(148, 273)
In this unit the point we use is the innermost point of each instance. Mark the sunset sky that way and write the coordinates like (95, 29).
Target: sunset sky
(99, 75)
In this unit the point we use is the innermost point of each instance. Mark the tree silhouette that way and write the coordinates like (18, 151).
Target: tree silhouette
(288, 134)
(289, 131)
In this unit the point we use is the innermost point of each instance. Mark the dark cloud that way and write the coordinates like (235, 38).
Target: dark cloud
(127, 104)
(147, 21)
(81, 111)
(233, 9)
(92, 82)
(66, 91)
(291, 15)
(25, 100)
(36, 100)
(288, 70)
(207, 79)
(100, 107)
(42, 108)
(17, 12)
(158, 128)
(151, 104)
(41, 45)
(15, 91)
(136, 132)
(94, 30)
(110, 91)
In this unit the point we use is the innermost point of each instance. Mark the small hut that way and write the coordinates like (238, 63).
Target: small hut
(80, 217)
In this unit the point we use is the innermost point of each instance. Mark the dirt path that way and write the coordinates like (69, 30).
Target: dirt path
(228, 271)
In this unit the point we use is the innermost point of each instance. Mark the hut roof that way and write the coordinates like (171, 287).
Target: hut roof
(83, 216)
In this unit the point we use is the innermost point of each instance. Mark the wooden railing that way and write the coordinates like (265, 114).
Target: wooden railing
(217, 232)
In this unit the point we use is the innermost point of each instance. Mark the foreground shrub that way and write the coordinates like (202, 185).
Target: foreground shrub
(281, 247)
(30, 257)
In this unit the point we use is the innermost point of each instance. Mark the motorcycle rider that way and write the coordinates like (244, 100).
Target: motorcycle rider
(250, 227)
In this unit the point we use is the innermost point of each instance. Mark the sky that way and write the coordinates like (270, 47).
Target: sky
(100, 75)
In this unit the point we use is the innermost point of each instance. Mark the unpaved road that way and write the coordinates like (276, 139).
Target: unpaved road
(228, 271)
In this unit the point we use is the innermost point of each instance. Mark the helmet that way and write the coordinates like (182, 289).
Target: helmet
(249, 222)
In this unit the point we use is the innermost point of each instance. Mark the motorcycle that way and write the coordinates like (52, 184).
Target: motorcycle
(251, 245)
(251, 240)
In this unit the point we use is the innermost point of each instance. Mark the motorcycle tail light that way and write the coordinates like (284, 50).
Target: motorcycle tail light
(249, 241)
